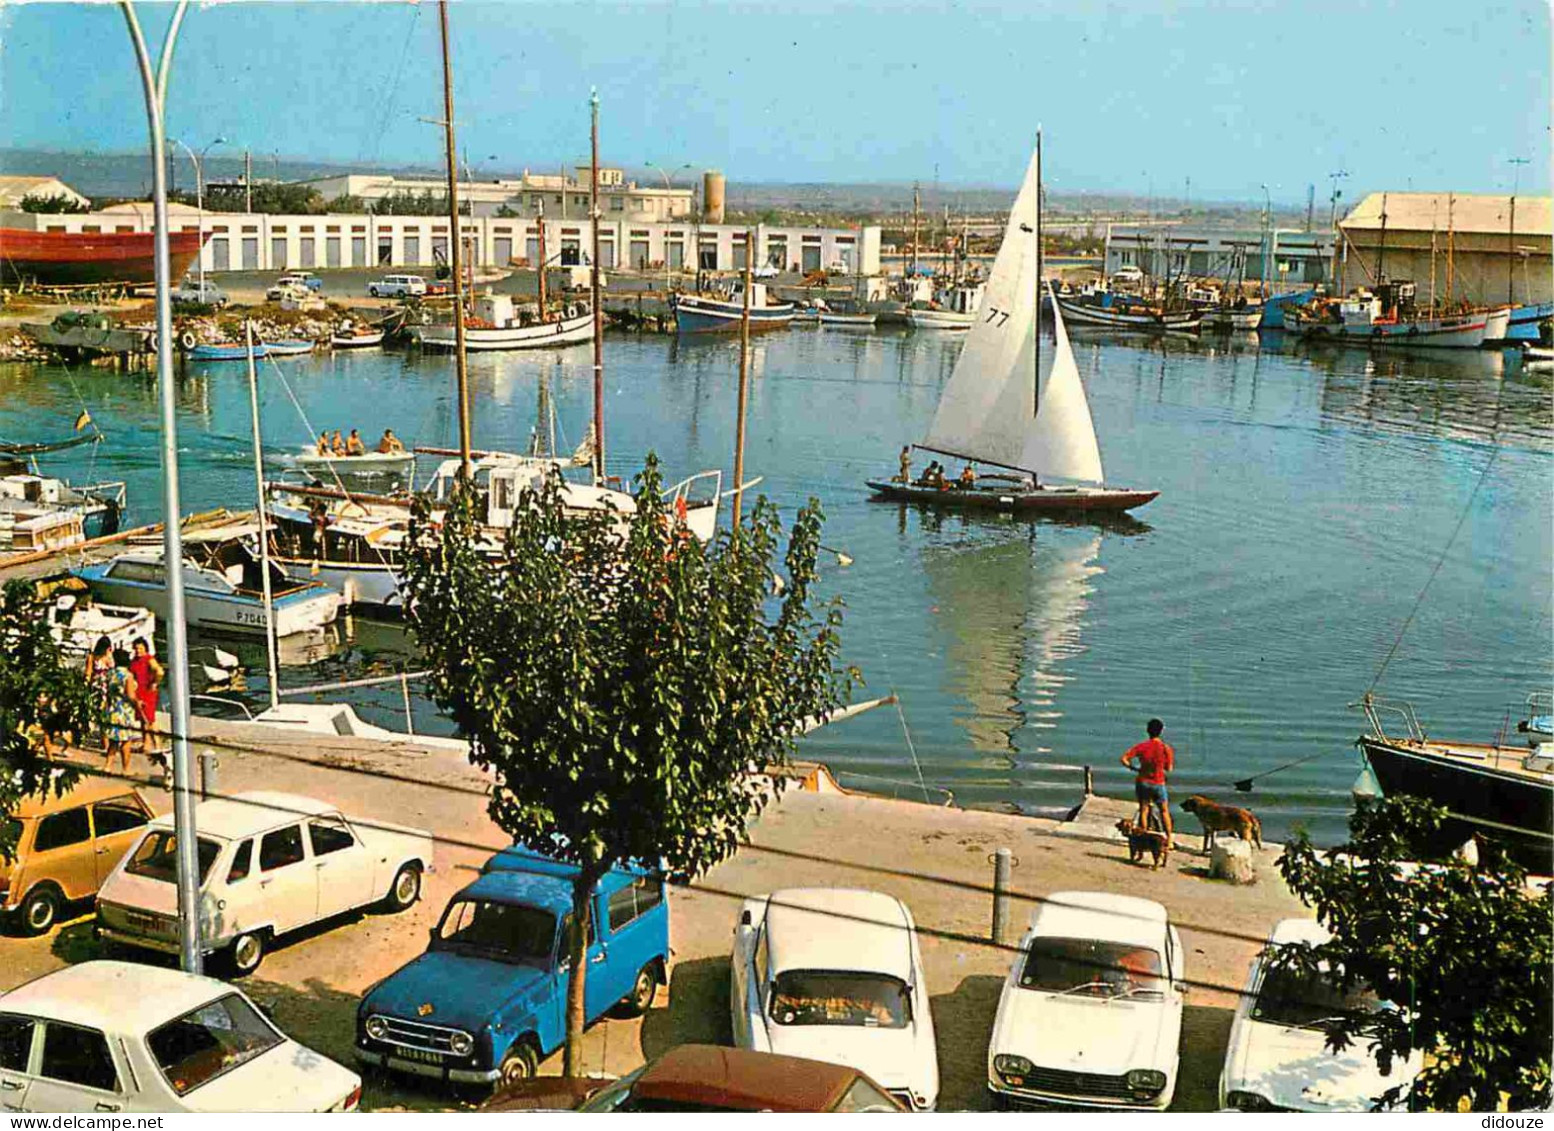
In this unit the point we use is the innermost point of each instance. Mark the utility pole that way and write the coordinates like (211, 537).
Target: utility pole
(1332, 216)
(461, 362)
(593, 207)
(916, 217)
(248, 181)
(1510, 246)
(264, 525)
(186, 858)
(744, 386)
(1311, 201)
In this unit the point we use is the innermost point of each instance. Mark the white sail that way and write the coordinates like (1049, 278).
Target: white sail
(985, 411)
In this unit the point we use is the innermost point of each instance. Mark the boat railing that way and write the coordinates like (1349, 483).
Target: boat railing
(222, 700)
(1374, 708)
(694, 489)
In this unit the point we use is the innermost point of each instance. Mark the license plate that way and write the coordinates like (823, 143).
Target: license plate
(425, 1056)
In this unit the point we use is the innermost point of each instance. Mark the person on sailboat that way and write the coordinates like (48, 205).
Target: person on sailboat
(1150, 761)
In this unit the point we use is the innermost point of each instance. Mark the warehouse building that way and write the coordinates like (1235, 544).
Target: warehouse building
(562, 195)
(1296, 258)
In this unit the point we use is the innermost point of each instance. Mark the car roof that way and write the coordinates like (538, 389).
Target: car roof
(838, 929)
(1299, 930)
(256, 811)
(84, 792)
(100, 994)
(1100, 915)
(517, 858)
(548, 892)
(742, 1080)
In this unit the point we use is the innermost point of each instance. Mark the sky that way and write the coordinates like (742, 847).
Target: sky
(1210, 99)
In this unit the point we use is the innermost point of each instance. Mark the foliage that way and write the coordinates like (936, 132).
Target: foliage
(1461, 954)
(40, 693)
(54, 203)
(505, 212)
(621, 678)
(270, 197)
(408, 202)
(346, 205)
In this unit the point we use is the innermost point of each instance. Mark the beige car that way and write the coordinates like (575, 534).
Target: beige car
(66, 847)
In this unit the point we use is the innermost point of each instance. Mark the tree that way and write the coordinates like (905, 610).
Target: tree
(621, 679)
(1461, 954)
(345, 205)
(55, 203)
(40, 694)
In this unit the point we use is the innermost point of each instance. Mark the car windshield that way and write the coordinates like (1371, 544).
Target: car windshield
(210, 1041)
(156, 857)
(840, 997)
(1092, 968)
(1290, 997)
(508, 932)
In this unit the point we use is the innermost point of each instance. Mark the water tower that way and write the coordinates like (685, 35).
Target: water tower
(713, 187)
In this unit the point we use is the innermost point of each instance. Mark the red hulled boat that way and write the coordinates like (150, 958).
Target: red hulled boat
(61, 259)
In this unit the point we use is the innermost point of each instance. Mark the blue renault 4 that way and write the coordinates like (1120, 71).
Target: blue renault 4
(487, 1001)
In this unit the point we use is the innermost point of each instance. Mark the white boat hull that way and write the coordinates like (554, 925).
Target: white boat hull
(379, 472)
(357, 583)
(356, 341)
(542, 335)
(939, 320)
(223, 612)
(857, 321)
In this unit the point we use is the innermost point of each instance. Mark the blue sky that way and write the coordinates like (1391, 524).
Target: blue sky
(1429, 94)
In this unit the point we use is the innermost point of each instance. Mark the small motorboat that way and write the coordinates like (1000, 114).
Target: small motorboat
(78, 624)
(290, 347)
(376, 473)
(227, 351)
(350, 337)
(843, 319)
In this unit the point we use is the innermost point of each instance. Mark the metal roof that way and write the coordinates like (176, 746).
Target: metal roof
(839, 929)
(1463, 212)
(115, 997)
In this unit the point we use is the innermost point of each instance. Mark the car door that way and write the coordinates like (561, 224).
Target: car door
(62, 852)
(116, 825)
(75, 1072)
(596, 985)
(288, 886)
(16, 1034)
(342, 866)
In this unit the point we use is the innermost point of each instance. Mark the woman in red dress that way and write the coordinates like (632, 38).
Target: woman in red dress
(148, 676)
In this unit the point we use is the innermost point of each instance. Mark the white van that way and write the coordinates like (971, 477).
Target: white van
(394, 286)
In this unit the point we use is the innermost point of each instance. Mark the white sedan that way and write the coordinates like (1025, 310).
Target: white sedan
(270, 863)
(1091, 1012)
(835, 974)
(1278, 1059)
(121, 1037)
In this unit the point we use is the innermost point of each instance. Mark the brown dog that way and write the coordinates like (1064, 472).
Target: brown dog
(1218, 818)
(1142, 840)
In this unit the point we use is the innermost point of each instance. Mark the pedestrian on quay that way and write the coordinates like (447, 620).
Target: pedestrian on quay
(1150, 761)
(99, 678)
(123, 711)
(148, 675)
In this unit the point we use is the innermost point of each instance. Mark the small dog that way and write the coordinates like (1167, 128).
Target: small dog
(1218, 818)
(1142, 840)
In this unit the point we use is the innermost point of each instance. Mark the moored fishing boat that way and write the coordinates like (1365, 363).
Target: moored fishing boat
(952, 309)
(998, 408)
(1387, 317)
(497, 324)
(705, 314)
(1229, 319)
(353, 337)
(1107, 308)
(1527, 319)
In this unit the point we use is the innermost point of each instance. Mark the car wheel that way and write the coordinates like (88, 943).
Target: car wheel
(39, 910)
(640, 999)
(405, 889)
(245, 954)
(373, 291)
(520, 1063)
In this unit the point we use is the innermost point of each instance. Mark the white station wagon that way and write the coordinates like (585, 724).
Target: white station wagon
(1278, 1059)
(835, 974)
(122, 1037)
(270, 863)
(1091, 1012)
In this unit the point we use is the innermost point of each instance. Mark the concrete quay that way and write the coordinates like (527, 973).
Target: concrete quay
(935, 859)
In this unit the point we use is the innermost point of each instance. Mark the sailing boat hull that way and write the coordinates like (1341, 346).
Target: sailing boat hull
(1027, 500)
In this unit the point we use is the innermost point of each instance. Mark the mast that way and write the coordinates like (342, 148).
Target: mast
(455, 240)
(593, 211)
(1451, 248)
(1036, 321)
(1381, 250)
(744, 384)
(916, 216)
(1510, 258)
(1433, 205)
(264, 526)
(541, 221)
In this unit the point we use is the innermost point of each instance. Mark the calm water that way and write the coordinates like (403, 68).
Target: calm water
(1306, 497)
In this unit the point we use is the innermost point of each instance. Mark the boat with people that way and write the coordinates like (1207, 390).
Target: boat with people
(380, 472)
(1503, 791)
(1000, 409)
(722, 314)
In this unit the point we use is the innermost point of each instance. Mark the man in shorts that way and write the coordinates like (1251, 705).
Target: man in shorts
(1150, 761)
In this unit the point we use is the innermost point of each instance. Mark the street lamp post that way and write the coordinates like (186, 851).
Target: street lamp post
(186, 858)
(197, 160)
(668, 187)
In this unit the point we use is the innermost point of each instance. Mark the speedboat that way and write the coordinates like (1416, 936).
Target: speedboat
(381, 473)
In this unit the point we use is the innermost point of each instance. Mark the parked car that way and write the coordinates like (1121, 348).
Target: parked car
(197, 291)
(487, 1001)
(1278, 1059)
(706, 1078)
(395, 286)
(123, 1037)
(270, 863)
(66, 846)
(836, 974)
(1091, 1012)
(306, 280)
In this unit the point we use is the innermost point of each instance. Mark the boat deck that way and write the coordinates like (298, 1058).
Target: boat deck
(45, 564)
(1517, 761)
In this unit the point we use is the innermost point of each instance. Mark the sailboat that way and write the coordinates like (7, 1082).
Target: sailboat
(998, 410)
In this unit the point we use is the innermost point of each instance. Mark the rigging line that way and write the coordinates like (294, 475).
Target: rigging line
(393, 91)
(306, 423)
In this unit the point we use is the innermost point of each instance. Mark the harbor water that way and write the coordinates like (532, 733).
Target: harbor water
(1308, 495)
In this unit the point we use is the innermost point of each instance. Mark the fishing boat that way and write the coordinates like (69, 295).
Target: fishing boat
(1274, 306)
(708, 314)
(287, 347)
(999, 409)
(60, 259)
(1230, 318)
(1102, 307)
(226, 351)
(1527, 320)
(41, 512)
(1502, 791)
(352, 337)
(497, 324)
(222, 587)
(1387, 316)
(350, 544)
(952, 309)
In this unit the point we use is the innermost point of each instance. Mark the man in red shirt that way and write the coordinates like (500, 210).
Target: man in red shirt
(1150, 761)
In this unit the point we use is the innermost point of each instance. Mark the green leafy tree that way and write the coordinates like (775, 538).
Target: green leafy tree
(623, 680)
(55, 203)
(1460, 955)
(41, 693)
(345, 205)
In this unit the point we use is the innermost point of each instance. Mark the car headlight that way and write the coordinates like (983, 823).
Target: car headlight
(1007, 1066)
(1145, 1082)
(1248, 1101)
(461, 1044)
(376, 1027)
